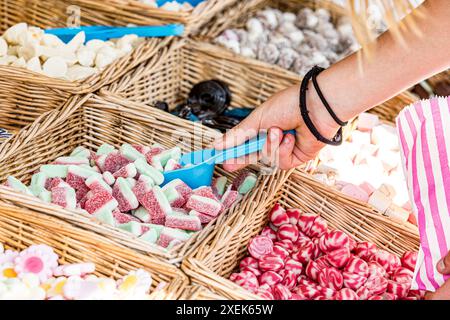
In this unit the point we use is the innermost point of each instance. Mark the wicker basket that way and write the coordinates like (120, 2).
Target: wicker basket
(20, 228)
(443, 77)
(62, 13)
(25, 95)
(91, 121)
(196, 292)
(218, 257)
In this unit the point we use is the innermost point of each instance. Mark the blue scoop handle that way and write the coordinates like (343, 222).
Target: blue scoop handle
(251, 146)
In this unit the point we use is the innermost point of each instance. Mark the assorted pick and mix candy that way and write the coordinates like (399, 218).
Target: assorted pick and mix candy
(175, 6)
(296, 257)
(35, 274)
(293, 41)
(122, 188)
(31, 48)
(368, 168)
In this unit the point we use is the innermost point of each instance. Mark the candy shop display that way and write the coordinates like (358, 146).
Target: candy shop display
(368, 168)
(293, 41)
(297, 257)
(125, 189)
(31, 48)
(35, 274)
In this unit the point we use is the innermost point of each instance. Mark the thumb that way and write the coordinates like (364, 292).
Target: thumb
(247, 129)
(443, 266)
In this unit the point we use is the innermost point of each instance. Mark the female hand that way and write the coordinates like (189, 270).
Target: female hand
(281, 112)
(443, 293)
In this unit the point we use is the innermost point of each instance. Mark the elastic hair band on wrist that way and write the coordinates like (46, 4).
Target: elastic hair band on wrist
(337, 139)
(317, 71)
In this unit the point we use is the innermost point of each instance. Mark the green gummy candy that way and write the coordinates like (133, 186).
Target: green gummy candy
(84, 172)
(176, 233)
(171, 194)
(130, 152)
(106, 216)
(125, 188)
(164, 156)
(105, 149)
(163, 202)
(150, 236)
(248, 184)
(220, 185)
(142, 214)
(80, 152)
(132, 227)
(71, 198)
(55, 170)
(45, 196)
(144, 168)
(18, 186)
(132, 182)
(38, 183)
(157, 227)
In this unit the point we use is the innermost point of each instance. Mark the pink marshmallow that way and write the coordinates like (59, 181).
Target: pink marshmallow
(367, 187)
(355, 192)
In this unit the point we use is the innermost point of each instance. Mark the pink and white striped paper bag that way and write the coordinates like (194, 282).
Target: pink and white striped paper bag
(424, 133)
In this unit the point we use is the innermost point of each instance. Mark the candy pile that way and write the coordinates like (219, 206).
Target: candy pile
(170, 5)
(297, 257)
(122, 188)
(294, 42)
(368, 168)
(35, 274)
(29, 47)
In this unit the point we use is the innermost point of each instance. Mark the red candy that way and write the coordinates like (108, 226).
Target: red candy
(301, 241)
(114, 162)
(281, 292)
(246, 280)
(386, 259)
(402, 275)
(287, 232)
(306, 221)
(271, 263)
(316, 252)
(398, 289)
(265, 292)
(303, 280)
(357, 266)
(287, 244)
(255, 271)
(339, 257)
(409, 260)
(260, 246)
(98, 200)
(249, 262)
(312, 270)
(270, 278)
(346, 294)
(363, 293)
(294, 215)
(305, 253)
(294, 266)
(319, 227)
(123, 217)
(308, 292)
(278, 215)
(289, 279)
(365, 250)
(376, 285)
(330, 278)
(280, 251)
(333, 240)
(376, 269)
(353, 281)
(268, 232)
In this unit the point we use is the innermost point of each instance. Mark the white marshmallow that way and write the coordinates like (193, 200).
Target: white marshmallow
(385, 136)
(360, 138)
(389, 159)
(76, 73)
(388, 190)
(55, 67)
(50, 40)
(19, 63)
(3, 47)
(397, 213)
(367, 121)
(95, 44)
(171, 6)
(86, 57)
(29, 50)
(12, 34)
(34, 64)
(105, 57)
(7, 60)
(76, 42)
(380, 201)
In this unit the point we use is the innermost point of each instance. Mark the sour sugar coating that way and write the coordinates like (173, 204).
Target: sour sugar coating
(106, 216)
(143, 186)
(204, 218)
(105, 149)
(64, 197)
(229, 198)
(114, 161)
(132, 227)
(142, 214)
(180, 186)
(175, 199)
(171, 165)
(55, 182)
(81, 152)
(129, 171)
(183, 221)
(204, 205)
(218, 186)
(168, 235)
(260, 246)
(143, 168)
(149, 157)
(54, 170)
(108, 178)
(38, 183)
(97, 184)
(124, 195)
(164, 156)
(142, 149)
(204, 191)
(46, 196)
(157, 204)
(121, 217)
(150, 236)
(130, 152)
(101, 200)
(72, 160)
(245, 182)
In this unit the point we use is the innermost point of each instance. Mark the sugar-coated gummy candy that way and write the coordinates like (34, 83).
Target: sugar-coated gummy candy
(142, 214)
(271, 263)
(122, 218)
(168, 235)
(174, 197)
(287, 232)
(346, 294)
(204, 191)
(409, 260)
(204, 205)
(278, 215)
(172, 165)
(97, 184)
(330, 278)
(108, 178)
(64, 197)
(157, 204)
(150, 236)
(124, 195)
(130, 152)
(18, 186)
(204, 218)
(180, 186)
(229, 198)
(133, 227)
(72, 160)
(128, 171)
(81, 152)
(260, 246)
(38, 183)
(101, 200)
(219, 185)
(142, 149)
(183, 221)
(244, 182)
(114, 161)
(54, 170)
(144, 168)
(106, 216)
(246, 280)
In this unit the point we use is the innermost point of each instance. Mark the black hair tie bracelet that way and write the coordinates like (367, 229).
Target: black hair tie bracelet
(337, 139)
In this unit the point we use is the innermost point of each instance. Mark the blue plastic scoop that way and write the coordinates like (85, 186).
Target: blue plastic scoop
(200, 164)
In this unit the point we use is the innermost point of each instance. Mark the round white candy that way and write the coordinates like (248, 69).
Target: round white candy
(55, 67)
